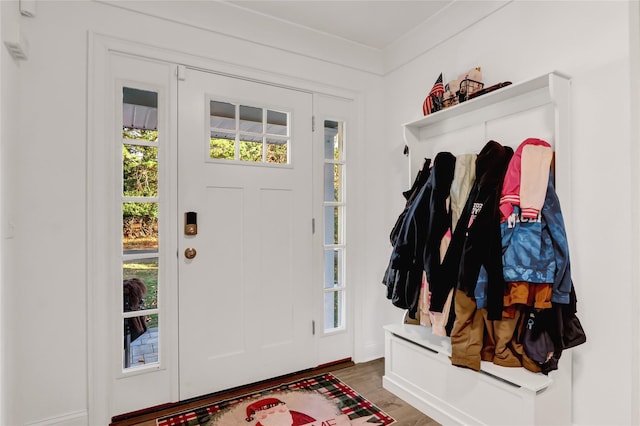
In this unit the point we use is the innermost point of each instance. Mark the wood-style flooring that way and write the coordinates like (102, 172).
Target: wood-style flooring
(366, 379)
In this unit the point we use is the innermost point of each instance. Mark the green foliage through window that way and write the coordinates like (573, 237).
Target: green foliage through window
(140, 179)
(224, 149)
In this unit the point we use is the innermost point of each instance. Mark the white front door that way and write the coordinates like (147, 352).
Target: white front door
(245, 179)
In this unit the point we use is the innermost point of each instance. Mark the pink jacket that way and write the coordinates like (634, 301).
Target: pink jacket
(525, 182)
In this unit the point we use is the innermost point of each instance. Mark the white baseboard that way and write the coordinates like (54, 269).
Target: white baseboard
(369, 352)
(76, 418)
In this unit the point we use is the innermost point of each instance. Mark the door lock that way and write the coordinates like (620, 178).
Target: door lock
(190, 253)
(191, 223)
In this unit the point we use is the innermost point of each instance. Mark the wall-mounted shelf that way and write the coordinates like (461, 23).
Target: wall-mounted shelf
(545, 82)
(549, 90)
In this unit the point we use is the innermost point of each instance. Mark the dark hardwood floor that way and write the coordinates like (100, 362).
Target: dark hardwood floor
(366, 379)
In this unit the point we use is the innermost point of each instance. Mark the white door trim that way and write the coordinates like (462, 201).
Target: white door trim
(104, 259)
(99, 266)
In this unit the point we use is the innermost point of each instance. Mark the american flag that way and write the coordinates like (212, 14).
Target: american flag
(434, 101)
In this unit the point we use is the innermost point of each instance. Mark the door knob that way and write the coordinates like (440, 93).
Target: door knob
(190, 253)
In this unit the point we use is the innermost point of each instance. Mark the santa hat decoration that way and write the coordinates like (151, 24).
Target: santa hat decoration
(263, 404)
(435, 99)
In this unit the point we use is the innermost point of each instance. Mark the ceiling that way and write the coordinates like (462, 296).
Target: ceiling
(372, 23)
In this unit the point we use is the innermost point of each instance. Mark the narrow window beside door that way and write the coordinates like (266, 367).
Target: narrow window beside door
(140, 200)
(334, 213)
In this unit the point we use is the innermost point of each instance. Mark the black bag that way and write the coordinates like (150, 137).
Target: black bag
(573, 333)
(534, 336)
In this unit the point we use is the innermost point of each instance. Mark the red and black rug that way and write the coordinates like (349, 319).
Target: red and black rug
(317, 401)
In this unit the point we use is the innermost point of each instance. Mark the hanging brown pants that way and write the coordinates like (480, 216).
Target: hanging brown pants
(474, 337)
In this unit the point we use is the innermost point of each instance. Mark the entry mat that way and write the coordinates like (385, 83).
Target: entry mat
(322, 400)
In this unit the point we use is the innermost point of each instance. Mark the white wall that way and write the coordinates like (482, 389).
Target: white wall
(44, 139)
(589, 41)
(47, 374)
(634, 47)
(9, 131)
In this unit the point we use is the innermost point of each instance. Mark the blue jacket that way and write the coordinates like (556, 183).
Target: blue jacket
(537, 250)
(419, 235)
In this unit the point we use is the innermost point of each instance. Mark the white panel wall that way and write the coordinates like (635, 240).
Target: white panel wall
(634, 48)
(8, 131)
(45, 315)
(46, 102)
(44, 137)
(588, 41)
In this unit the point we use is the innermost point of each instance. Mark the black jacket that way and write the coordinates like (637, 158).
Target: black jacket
(402, 282)
(476, 241)
(438, 220)
(421, 228)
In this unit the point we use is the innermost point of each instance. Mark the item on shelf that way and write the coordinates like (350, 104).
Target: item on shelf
(489, 89)
(467, 88)
(451, 93)
(434, 100)
(470, 82)
(472, 74)
(460, 89)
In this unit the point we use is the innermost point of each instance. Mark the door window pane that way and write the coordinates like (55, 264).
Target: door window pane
(251, 119)
(140, 284)
(333, 305)
(277, 150)
(222, 146)
(139, 109)
(333, 182)
(333, 142)
(251, 150)
(277, 123)
(223, 115)
(262, 135)
(140, 170)
(140, 341)
(139, 226)
(332, 268)
(332, 227)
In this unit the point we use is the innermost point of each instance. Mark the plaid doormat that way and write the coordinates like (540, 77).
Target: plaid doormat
(319, 400)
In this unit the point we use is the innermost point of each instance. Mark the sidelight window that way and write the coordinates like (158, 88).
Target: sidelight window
(334, 235)
(139, 204)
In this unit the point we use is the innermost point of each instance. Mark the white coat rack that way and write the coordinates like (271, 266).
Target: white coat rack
(417, 365)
